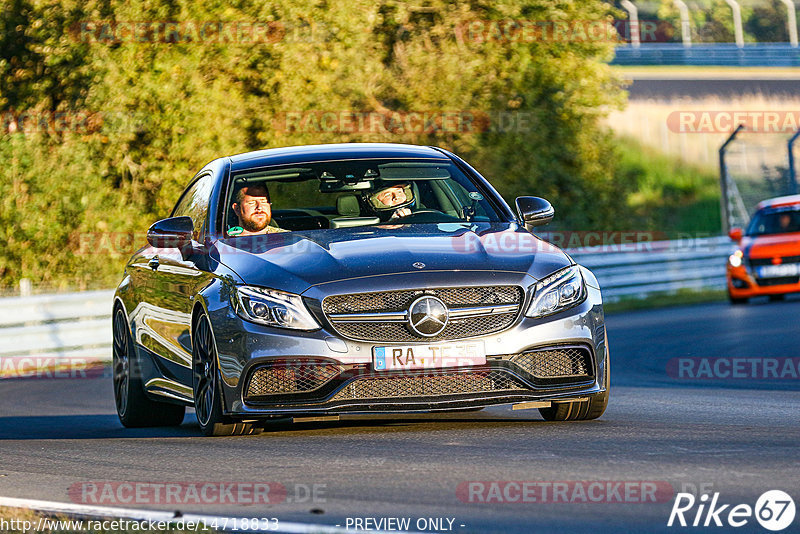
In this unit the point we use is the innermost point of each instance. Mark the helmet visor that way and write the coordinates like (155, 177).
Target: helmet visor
(394, 197)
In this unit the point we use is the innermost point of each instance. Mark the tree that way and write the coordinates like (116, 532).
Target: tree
(529, 79)
(768, 23)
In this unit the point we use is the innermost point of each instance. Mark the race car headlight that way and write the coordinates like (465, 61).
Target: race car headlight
(559, 291)
(273, 308)
(735, 259)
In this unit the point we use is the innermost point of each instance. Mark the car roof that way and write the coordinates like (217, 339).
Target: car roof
(331, 152)
(779, 202)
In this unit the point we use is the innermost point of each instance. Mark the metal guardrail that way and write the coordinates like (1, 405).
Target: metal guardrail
(43, 330)
(658, 266)
(723, 54)
(54, 328)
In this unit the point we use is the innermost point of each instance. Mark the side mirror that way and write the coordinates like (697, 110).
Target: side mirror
(175, 232)
(735, 234)
(534, 211)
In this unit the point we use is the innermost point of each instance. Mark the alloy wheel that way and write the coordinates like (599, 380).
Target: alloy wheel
(204, 356)
(121, 362)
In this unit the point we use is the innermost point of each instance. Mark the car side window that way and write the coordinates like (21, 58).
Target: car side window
(194, 204)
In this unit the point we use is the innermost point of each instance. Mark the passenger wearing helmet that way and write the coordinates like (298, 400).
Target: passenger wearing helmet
(395, 200)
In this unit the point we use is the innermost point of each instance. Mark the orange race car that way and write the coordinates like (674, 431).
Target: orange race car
(767, 261)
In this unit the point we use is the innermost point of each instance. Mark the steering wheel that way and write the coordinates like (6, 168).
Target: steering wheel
(416, 215)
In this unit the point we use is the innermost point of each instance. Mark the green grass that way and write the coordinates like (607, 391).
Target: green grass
(671, 196)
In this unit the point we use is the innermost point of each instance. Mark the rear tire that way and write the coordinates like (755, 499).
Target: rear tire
(207, 389)
(134, 408)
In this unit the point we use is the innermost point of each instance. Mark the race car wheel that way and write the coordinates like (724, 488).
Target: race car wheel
(736, 300)
(576, 411)
(134, 408)
(207, 389)
(581, 410)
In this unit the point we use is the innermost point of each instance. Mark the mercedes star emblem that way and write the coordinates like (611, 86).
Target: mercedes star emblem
(427, 316)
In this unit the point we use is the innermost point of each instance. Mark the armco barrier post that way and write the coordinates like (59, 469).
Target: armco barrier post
(25, 287)
(792, 172)
(686, 25)
(725, 209)
(633, 16)
(791, 21)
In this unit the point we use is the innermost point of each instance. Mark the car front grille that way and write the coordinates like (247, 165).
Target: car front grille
(507, 299)
(455, 329)
(318, 380)
(759, 262)
(400, 300)
(566, 362)
(393, 387)
(289, 377)
(778, 281)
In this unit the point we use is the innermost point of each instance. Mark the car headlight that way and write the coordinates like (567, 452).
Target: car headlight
(273, 308)
(735, 259)
(559, 291)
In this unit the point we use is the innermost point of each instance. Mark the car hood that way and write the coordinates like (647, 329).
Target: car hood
(296, 261)
(768, 246)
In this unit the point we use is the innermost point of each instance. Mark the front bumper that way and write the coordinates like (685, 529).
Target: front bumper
(353, 386)
(742, 284)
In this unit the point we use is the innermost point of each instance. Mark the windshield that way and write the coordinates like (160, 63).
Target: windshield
(351, 193)
(775, 221)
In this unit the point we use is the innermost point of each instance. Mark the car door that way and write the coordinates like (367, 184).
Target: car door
(173, 283)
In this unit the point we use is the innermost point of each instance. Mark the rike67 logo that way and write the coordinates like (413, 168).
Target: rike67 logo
(774, 510)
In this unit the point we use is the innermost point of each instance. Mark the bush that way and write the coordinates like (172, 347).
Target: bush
(159, 111)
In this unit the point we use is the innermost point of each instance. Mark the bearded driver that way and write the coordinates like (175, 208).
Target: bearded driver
(254, 210)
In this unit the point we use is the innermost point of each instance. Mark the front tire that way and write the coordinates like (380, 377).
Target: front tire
(207, 389)
(577, 411)
(134, 408)
(581, 410)
(736, 301)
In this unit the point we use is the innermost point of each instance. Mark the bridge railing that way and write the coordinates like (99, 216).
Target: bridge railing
(723, 54)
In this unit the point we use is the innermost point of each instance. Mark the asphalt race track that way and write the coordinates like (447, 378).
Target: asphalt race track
(735, 436)
(657, 88)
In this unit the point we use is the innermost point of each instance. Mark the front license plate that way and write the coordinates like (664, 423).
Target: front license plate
(434, 356)
(777, 271)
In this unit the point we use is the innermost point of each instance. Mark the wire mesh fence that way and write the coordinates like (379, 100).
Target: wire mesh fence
(754, 166)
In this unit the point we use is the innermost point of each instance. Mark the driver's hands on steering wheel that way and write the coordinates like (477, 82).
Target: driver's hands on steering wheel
(402, 212)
